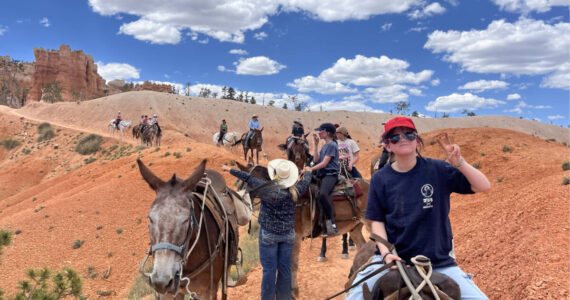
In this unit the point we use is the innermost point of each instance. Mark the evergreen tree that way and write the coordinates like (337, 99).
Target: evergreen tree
(240, 97)
(284, 106)
(224, 92)
(231, 93)
(271, 102)
(252, 100)
(52, 92)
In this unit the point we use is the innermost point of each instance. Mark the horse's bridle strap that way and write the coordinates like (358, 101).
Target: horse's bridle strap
(167, 246)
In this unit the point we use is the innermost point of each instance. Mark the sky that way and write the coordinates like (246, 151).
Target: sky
(489, 57)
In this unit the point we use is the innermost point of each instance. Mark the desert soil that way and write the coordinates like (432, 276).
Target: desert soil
(514, 239)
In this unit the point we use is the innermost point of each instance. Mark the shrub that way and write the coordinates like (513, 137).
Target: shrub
(166, 154)
(89, 144)
(431, 142)
(177, 154)
(26, 151)
(18, 231)
(99, 227)
(500, 179)
(507, 148)
(119, 230)
(566, 166)
(45, 131)
(5, 238)
(483, 154)
(89, 160)
(64, 283)
(566, 181)
(477, 165)
(104, 293)
(9, 143)
(188, 149)
(78, 243)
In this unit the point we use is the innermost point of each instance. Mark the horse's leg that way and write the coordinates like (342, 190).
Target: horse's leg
(256, 155)
(356, 235)
(322, 255)
(344, 254)
(351, 246)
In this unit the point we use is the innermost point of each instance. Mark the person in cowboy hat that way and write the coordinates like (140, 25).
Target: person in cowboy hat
(277, 223)
(253, 125)
(297, 132)
(327, 166)
(349, 152)
(408, 205)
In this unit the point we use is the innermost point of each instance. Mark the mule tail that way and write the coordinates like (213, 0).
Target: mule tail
(237, 142)
(282, 146)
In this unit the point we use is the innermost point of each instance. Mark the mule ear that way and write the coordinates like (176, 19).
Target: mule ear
(198, 173)
(307, 135)
(149, 177)
(242, 167)
(261, 128)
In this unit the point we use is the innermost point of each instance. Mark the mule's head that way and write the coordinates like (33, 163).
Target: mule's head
(256, 171)
(298, 151)
(170, 225)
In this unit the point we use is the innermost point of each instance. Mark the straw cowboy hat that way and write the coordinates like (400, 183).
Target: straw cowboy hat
(283, 171)
(254, 116)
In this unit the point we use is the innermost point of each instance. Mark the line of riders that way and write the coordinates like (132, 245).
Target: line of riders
(408, 207)
(144, 122)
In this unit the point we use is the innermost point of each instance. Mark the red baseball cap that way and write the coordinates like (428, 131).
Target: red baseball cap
(398, 122)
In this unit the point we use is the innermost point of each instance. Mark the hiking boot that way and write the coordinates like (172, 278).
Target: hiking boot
(331, 229)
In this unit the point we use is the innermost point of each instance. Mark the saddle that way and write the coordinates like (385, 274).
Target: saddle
(346, 189)
(234, 203)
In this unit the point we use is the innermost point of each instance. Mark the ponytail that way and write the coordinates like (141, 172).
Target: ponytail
(294, 193)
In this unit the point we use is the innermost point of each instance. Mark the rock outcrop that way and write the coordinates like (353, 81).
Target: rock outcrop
(75, 72)
(15, 81)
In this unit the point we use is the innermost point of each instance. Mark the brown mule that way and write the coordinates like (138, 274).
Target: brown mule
(254, 143)
(348, 218)
(190, 240)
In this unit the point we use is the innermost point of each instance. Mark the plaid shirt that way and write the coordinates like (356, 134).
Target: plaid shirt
(277, 214)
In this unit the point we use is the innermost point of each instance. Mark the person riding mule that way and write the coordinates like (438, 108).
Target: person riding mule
(253, 126)
(298, 135)
(349, 153)
(422, 186)
(193, 234)
(278, 197)
(223, 131)
(118, 120)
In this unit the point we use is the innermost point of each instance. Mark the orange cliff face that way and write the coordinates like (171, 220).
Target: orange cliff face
(74, 70)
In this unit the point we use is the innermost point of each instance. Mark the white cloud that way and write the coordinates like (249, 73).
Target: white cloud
(556, 117)
(3, 29)
(112, 71)
(388, 94)
(482, 85)
(260, 36)
(517, 110)
(526, 6)
(373, 71)
(514, 96)
(386, 26)
(315, 84)
(435, 82)
(342, 105)
(153, 32)
(45, 22)
(223, 69)
(458, 102)
(227, 20)
(524, 47)
(428, 11)
(258, 65)
(415, 92)
(559, 79)
(238, 52)
(523, 104)
(418, 29)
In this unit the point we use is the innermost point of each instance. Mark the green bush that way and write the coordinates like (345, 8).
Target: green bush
(177, 154)
(476, 165)
(45, 131)
(5, 238)
(89, 160)
(78, 243)
(63, 284)
(140, 288)
(500, 179)
(89, 144)
(566, 166)
(566, 181)
(9, 143)
(507, 148)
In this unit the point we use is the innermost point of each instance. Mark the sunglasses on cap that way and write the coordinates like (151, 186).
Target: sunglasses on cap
(410, 136)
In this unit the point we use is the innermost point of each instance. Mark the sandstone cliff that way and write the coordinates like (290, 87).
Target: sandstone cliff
(74, 70)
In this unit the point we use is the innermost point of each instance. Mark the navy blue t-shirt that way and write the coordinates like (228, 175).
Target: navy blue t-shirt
(414, 207)
(329, 149)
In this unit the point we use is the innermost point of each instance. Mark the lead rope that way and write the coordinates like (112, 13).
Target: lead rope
(420, 262)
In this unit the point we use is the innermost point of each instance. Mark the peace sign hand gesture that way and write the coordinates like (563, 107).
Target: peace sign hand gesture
(452, 151)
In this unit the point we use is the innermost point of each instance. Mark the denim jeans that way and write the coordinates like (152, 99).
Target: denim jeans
(275, 256)
(469, 291)
(354, 173)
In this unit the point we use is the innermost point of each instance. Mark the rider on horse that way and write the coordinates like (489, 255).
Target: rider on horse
(348, 151)
(154, 121)
(253, 125)
(297, 133)
(118, 120)
(223, 131)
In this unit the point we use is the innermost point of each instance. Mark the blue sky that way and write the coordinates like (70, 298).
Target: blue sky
(499, 57)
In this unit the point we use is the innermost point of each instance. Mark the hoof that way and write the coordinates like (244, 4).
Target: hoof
(351, 248)
(344, 256)
(321, 259)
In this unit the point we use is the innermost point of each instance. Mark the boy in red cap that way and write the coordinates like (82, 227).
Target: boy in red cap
(408, 205)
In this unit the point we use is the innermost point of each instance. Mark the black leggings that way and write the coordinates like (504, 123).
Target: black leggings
(325, 198)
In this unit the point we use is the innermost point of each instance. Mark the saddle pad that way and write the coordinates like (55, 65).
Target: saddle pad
(353, 191)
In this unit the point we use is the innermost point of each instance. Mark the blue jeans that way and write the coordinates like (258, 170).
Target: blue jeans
(354, 173)
(275, 256)
(469, 291)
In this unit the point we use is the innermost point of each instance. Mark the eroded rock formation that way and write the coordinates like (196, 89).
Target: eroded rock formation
(75, 72)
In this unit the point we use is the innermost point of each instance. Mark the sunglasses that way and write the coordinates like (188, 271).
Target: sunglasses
(410, 136)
